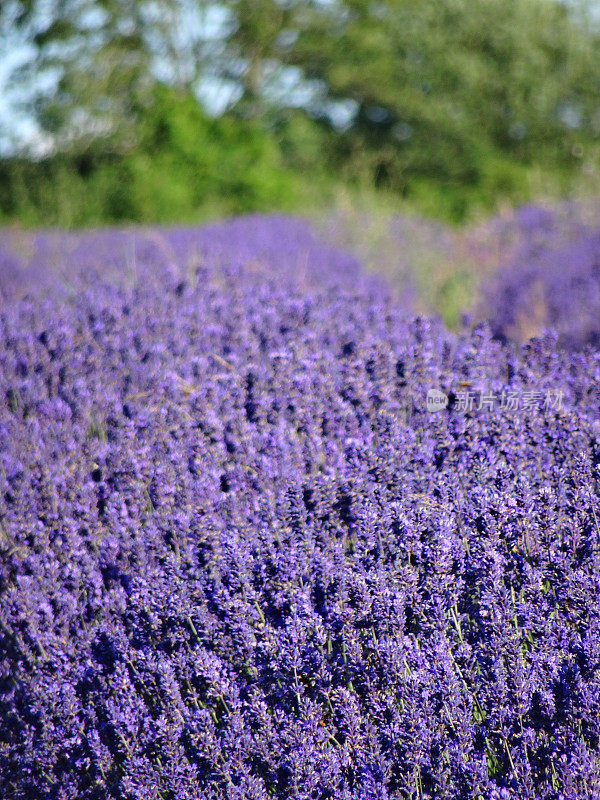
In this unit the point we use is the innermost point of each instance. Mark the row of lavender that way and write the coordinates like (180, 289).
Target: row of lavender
(548, 276)
(239, 558)
(525, 271)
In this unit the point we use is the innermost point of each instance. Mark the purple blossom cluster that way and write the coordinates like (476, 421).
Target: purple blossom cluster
(240, 559)
(548, 278)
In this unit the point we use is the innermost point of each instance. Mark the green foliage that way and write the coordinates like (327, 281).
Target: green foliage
(455, 93)
(100, 52)
(460, 105)
(185, 166)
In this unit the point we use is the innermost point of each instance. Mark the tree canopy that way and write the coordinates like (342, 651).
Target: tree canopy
(398, 94)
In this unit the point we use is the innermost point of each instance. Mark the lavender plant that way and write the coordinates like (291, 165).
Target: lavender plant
(239, 557)
(548, 277)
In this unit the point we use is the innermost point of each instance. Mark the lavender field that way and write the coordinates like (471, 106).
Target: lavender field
(269, 528)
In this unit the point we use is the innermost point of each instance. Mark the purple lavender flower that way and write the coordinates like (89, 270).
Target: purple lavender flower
(240, 559)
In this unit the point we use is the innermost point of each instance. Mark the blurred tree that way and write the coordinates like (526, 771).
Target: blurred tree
(100, 53)
(441, 83)
(440, 88)
(185, 166)
(451, 99)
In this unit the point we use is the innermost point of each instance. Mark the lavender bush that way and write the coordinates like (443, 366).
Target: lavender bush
(547, 278)
(239, 557)
(526, 271)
